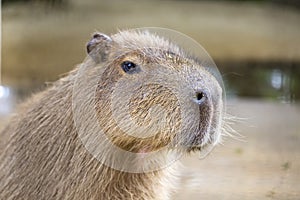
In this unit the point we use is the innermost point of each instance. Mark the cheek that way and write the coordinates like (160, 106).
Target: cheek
(155, 105)
(139, 117)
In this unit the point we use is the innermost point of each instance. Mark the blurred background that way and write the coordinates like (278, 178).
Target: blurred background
(255, 44)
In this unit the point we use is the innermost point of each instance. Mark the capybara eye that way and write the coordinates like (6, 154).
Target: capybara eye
(128, 66)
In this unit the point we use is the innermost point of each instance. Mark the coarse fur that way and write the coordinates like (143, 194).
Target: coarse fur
(44, 157)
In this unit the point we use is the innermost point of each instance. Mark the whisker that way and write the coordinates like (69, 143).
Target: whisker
(227, 129)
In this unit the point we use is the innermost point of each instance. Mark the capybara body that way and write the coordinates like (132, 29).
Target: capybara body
(46, 158)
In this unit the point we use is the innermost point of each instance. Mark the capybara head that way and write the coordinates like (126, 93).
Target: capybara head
(151, 94)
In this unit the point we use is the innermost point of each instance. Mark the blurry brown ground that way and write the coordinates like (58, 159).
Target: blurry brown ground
(40, 42)
(265, 166)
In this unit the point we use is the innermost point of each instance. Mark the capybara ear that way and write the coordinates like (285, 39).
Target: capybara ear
(98, 47)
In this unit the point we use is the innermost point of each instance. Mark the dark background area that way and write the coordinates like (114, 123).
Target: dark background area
(291, 3)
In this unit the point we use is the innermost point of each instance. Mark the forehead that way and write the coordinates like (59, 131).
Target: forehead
(149, 47)
(141, 40)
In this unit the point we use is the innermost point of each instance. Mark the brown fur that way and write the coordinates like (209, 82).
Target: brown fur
(45, 159)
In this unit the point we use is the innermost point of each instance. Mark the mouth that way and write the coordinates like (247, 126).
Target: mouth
(198, 145)
(208, 132)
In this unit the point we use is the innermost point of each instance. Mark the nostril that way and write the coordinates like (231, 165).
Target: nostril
(200, 97)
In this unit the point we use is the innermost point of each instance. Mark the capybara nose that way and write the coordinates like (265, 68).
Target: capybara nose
(200, 97)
